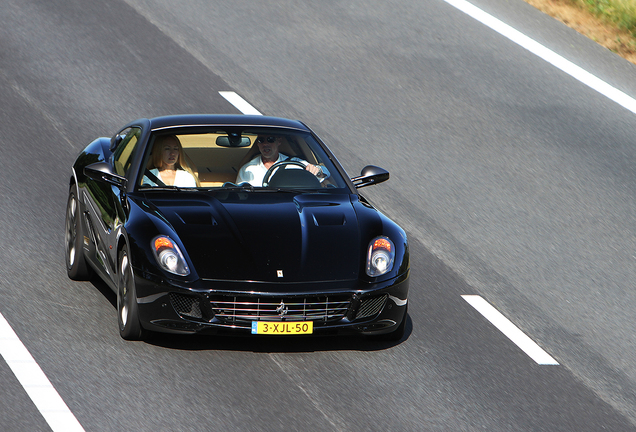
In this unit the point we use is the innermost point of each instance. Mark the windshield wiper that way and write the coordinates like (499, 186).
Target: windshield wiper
(232, 186)
(162, 188)
(248, 187)
(291, 190)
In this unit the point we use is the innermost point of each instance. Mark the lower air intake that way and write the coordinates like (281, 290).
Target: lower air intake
(371, 306)
(186, 306)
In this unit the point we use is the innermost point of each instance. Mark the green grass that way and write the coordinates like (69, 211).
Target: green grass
(620, 12)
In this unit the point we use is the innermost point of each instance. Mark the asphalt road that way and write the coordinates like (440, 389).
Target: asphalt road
(514, 181)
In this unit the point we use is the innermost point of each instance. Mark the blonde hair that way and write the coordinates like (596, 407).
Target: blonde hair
(183, 161)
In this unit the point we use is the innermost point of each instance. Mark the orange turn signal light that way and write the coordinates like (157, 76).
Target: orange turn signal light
(382, 243)
(162, 242)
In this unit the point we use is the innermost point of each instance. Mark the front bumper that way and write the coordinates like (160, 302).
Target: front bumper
(215, 307)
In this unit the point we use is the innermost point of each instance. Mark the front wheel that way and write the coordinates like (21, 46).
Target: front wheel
(76, 266)
(127, 309)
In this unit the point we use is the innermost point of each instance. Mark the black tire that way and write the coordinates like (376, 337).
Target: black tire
(127, 309)
(76, 266)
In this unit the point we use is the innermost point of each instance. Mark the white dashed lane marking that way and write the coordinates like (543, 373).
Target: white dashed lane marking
(513, 333)
(241, 104)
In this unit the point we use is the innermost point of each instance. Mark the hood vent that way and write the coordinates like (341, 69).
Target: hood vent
(329, 219)
(196, 218)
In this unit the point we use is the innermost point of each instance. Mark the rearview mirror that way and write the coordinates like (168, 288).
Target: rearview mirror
(233, 140)
(370, 175)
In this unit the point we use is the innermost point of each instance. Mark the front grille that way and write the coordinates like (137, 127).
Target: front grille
(371, 306)
(186, 306)
(232, 309)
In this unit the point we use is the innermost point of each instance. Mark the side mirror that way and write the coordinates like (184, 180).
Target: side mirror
(370, 175)
(114, 141)
(101, 171)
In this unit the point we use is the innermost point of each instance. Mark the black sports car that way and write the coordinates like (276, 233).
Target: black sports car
(234, 224)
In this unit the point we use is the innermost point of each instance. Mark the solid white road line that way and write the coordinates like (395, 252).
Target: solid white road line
(36, 384)
(546, 54)
(241, 104)
(510, 330)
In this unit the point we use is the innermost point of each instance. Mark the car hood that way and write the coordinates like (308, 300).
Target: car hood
(267, 236)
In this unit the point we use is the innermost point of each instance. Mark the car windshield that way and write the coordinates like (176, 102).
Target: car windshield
(255, 159)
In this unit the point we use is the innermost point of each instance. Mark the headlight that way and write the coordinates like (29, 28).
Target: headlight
(380, 257)
(169, 256)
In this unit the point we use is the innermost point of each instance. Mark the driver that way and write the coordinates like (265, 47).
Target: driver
(254, 171)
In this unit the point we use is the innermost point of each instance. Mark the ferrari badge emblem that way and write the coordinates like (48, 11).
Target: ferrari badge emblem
(282, 309)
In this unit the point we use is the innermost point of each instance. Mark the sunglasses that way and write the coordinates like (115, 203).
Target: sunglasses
(270, 139)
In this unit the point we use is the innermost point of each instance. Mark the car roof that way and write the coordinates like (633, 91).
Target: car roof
(187, 120)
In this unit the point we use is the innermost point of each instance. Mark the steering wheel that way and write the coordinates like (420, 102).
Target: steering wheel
(273, 168)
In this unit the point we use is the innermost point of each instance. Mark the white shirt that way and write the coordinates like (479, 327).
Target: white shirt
(254, 171)
(182, 178)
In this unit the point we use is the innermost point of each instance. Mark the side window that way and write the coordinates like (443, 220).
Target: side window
(125, 151)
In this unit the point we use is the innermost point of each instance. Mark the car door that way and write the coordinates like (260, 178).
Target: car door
(104, 206)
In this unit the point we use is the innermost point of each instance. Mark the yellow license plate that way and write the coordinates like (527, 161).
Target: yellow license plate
(282, 328)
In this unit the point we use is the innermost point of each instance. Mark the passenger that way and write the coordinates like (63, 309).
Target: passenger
(170, 165)
(254, 171)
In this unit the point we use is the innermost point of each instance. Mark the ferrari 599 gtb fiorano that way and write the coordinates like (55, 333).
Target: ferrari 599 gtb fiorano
(223, 224)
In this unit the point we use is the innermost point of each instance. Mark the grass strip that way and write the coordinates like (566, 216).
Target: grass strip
(620, 12)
